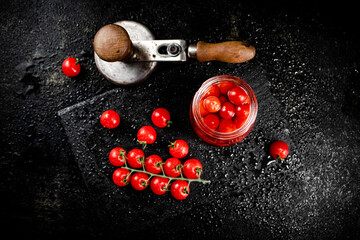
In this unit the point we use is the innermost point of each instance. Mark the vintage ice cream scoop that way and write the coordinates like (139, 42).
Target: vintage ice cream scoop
(126, 52)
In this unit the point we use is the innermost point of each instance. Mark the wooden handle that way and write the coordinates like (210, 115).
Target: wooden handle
(112, 43)
(231, 52)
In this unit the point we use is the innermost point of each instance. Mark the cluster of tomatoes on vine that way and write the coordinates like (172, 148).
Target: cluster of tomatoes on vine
(140, 171)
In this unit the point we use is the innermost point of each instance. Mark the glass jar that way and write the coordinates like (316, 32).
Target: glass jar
(216, 137)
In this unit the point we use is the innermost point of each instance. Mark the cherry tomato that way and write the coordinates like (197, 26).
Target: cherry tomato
(192, 168)
(159, 185)
(178, 148)
(172, 167)
(146, 135)
(238, 96)
(71, 67)
(214, 90)
(161, 118)
(139, 181)
(110, 119)
(222, 99)
(226, 125)
(225, 86)
(202, 110)
(227, 110)
(180, 189)
(242, 111)
(117, 156)
(212, 104)
(279, 149)
(239, 122)
(153, 164)
(121, 177)
(135, 158)
(212, 121)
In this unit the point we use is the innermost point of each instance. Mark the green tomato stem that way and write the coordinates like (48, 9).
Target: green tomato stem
(164, 176)
(143, 144)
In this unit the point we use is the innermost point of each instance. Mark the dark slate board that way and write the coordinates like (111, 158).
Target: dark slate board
(234, 170)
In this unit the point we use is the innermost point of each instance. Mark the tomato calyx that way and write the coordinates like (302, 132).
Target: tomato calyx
(122, 155)
(125, 181)
(142, 160)
(159, 164)
(198, 171)
(178, 167)
(168, 123)
(143, 144)
(144, 183)
(172, 144)
(166, 188)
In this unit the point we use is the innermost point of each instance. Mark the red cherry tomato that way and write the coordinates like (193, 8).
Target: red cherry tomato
(172, 167)
(153, 164)
(202, 110)
(212, 121)
(226, 125)
(222, 99)
(214, 90)
(159, 185)
(139, 181)
(71, 67)
(242, 111)
(227, 110)
(117, 156)
(121, 177)
(178, 148)
(180, 189)
(239, 122)
(161, 118)
(238, 96)
(192, 168)
(212, 104)
(110, 119)
(225, 86)
(279, 149)
(146, 135)
(135, 158)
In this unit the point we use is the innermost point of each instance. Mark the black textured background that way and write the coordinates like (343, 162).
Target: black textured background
(307, 53)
